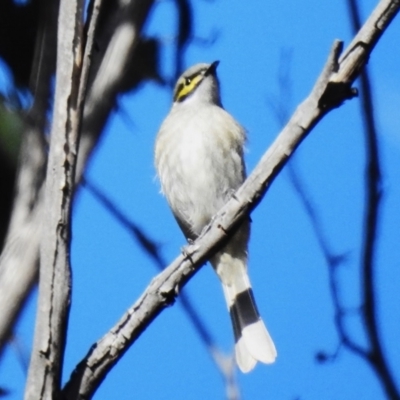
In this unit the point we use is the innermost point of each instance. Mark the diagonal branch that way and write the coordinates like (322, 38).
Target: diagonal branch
(332, 88)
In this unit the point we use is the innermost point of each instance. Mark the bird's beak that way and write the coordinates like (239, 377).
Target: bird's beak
(212, 68)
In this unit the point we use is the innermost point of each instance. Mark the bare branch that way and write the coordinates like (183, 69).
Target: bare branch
(55, 281)
(376, 356)
(360, 47)
(88, 54)
(14, 288)
(331, 89)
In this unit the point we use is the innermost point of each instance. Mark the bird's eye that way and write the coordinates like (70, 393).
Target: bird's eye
(187, 81)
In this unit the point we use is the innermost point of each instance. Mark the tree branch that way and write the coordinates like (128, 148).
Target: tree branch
(22, 251)
(55, 276)
(375, 355)
(332, 88)
(18, 268)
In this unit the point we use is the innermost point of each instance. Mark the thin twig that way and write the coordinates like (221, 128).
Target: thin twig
(334, 261)
(373, 186)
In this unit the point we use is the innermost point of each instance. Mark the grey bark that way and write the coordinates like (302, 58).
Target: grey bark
(55, 276)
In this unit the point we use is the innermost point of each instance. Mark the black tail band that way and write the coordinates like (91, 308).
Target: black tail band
(243, 312)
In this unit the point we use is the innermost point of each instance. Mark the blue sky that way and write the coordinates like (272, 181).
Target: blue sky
(287, 268)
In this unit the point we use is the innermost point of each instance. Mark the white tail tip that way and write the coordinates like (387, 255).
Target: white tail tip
(255, 344)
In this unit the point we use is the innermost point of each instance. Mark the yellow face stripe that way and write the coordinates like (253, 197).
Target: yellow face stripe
(187, 85)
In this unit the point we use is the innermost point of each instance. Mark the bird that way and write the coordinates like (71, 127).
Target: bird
(199, 159)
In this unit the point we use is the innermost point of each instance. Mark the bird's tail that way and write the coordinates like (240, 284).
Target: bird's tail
(252, 340)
